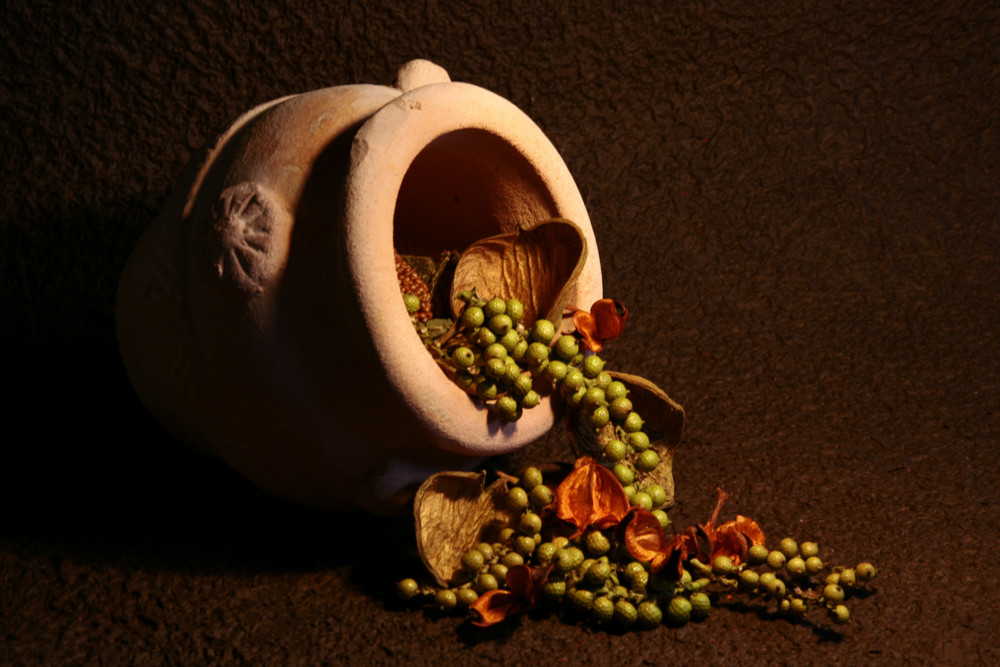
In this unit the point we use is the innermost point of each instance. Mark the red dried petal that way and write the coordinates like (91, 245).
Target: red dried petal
(591, 496)
(609, 318)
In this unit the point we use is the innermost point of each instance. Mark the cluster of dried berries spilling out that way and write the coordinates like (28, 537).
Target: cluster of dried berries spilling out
(579, 548)
(593, 542)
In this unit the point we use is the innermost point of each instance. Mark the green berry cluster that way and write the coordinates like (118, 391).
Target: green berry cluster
(795, 578)
(488, 353)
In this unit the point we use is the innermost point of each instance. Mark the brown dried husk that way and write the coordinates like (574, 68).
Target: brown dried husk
(538, 266)
(453, 512)
(663, 423)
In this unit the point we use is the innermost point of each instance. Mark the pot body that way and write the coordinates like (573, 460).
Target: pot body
(259, 316)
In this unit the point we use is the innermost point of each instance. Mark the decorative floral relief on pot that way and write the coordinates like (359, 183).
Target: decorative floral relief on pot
(260, 318)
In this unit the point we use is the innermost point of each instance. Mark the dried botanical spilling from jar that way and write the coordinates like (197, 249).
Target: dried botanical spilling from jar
(593, 540)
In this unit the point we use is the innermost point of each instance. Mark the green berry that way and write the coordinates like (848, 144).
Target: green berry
(512, 559)
(748, 580)
(592, 366)
(616, 389)
(553, 590)
(848, 578)
(541, 496)
(412, 303)
(813, 565)
(642, 499)
(445, 599)
(495, 306)
(569, 559)
(495, 351)
(623, 473)
(466, 597)
(679, 610)
(500, 324)
(536, 355)
(723, 565)
(531, 477)
(530, 523)
(499, 570)
(808, 549)
(555, 370)
(625, 614)
(473, 561)
(766, 579)
(776, 560)
(797, 607)
(508, 409)
(484, 337)
(658, 494)
(602, 381)
(517, 499)
(633, 569)
(833, 593)
(865, 572)
(524, 545)
(463, 357)
(598, 573)
(545, 553)
(639, 441)
(522, 386)
(775, 588)
(573, 380)
(566, 348)
(597, 543)
(486, 582)
(495, 368)
(840, 614)
(509, 340)
(599, 418)
(473, 317)
(594, 398)
(519, 350)
(615, 450)
(619, 407)
(633, 422)
(757, 555)
(580, 599)
(650, 614)
(832, 578)
(647, 461)
(701, 605)
(602, 609)
(542, 331)
(796, 567)
(789, 547)
(486, 390)
(662, 517)
(407, 589)
(515, 309)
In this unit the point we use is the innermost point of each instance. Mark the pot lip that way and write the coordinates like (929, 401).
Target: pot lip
(382, 152)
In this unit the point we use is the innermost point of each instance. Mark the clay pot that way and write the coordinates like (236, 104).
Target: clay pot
(260, 317)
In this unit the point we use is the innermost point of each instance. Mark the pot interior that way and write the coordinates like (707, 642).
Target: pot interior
(466, 185)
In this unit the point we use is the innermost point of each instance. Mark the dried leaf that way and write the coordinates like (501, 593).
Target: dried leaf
(538, 266)
(591, 496)
(453, 513)
(663, 423)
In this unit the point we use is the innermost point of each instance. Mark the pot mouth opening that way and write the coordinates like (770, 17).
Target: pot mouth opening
(466, 185)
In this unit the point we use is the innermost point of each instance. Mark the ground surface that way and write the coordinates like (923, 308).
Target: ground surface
(798, 204)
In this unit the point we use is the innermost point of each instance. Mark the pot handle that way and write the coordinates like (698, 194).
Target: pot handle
(417, 73)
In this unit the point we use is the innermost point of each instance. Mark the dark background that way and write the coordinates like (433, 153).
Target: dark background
(798, 203)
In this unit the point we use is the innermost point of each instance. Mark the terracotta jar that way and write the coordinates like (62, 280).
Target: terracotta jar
(260, 317)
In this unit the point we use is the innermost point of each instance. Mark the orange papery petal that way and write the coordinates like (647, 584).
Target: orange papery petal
(586, 326)
(609, 318)
(591, 496)
(644, 536)
(734, 538)
(494, 606)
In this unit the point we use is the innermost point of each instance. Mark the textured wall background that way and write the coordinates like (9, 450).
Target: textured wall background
(798, 203)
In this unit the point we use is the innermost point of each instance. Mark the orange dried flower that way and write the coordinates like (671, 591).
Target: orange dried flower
(645, 540)
(734, 538)
(591, 496)
(604, 322)
(523, 586)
